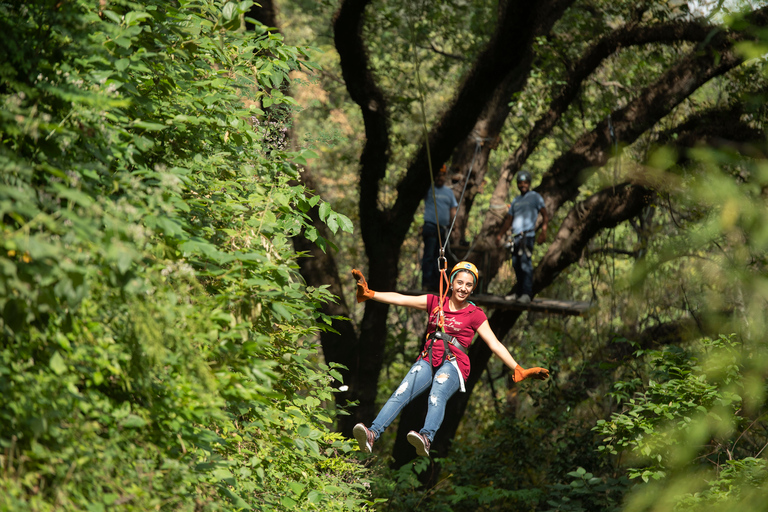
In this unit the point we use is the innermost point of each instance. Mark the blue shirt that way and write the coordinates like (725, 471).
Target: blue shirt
(445, 201)
(524, 211)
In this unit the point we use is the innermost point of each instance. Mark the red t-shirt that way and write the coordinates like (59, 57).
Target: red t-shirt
(462, 325)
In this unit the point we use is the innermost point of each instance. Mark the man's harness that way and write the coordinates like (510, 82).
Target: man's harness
(518, 243)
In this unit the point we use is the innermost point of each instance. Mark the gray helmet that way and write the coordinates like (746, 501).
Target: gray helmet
(523, 176)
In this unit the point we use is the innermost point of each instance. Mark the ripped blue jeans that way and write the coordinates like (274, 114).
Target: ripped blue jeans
(420, 377)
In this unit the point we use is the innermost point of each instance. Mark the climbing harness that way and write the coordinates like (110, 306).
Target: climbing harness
(518, 246)
(447, 339)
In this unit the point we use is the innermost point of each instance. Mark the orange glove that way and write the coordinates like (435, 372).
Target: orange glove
(533, 373)
(363, 293)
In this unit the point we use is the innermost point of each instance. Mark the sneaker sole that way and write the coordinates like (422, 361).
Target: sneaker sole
(418, 443)
(361, 436)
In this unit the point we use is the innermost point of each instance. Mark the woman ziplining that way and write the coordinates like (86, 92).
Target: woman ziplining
(443, 364)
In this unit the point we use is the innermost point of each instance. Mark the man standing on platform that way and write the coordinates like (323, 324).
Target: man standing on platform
(522, 216)
(446, 210)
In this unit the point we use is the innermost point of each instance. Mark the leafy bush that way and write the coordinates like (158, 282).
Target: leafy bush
(587, 492)
(669, 413)
(688, 435)
(157, 340)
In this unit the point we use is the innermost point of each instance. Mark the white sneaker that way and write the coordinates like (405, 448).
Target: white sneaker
(420, 442)
(365, 438)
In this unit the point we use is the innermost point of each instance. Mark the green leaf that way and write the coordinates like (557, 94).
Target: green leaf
(57, 364)
(133, 421)
(149, 126)
(134, 17)
(324, 211)
(333, 224)
(112, 15)
(345, 223)
(229, 11)
(280, 310)
(223, 474)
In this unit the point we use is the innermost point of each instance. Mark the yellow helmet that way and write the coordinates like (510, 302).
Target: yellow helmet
(467, 267)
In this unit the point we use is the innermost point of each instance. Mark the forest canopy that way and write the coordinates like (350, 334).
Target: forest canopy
(186, 186)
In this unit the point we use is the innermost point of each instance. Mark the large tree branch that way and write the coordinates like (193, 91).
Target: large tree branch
(570, 170)
(362, 87)
(606, 209)
(721, 127)
(623, 37)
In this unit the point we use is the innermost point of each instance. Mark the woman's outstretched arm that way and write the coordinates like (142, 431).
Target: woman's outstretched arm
(398, 299)
(498, 348)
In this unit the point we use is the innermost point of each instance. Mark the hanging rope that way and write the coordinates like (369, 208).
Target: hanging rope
(615, 144)
(464, 189)
(442, 261)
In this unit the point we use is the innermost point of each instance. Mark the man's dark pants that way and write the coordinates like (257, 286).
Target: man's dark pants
(522, 262)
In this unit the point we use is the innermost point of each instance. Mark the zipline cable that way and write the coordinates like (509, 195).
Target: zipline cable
(616, 163)
(442, 262)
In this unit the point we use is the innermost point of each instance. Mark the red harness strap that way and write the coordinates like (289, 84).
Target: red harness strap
(444, 287)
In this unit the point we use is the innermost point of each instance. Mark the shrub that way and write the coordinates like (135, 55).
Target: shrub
(157, 340)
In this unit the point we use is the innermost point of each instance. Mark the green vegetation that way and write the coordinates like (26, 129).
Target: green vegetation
(157, 344)
(164, 345)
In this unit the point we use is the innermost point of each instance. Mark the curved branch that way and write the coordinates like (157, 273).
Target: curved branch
(591, 60)
(606, 209)
(722, 127)
(362, 87)
(570, 170)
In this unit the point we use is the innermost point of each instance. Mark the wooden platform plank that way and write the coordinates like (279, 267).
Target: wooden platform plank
(538, 305)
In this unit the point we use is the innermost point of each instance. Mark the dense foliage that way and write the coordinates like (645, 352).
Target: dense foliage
(156, 340)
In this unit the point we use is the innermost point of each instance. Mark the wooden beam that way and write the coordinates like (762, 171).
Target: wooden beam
(538, 305)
